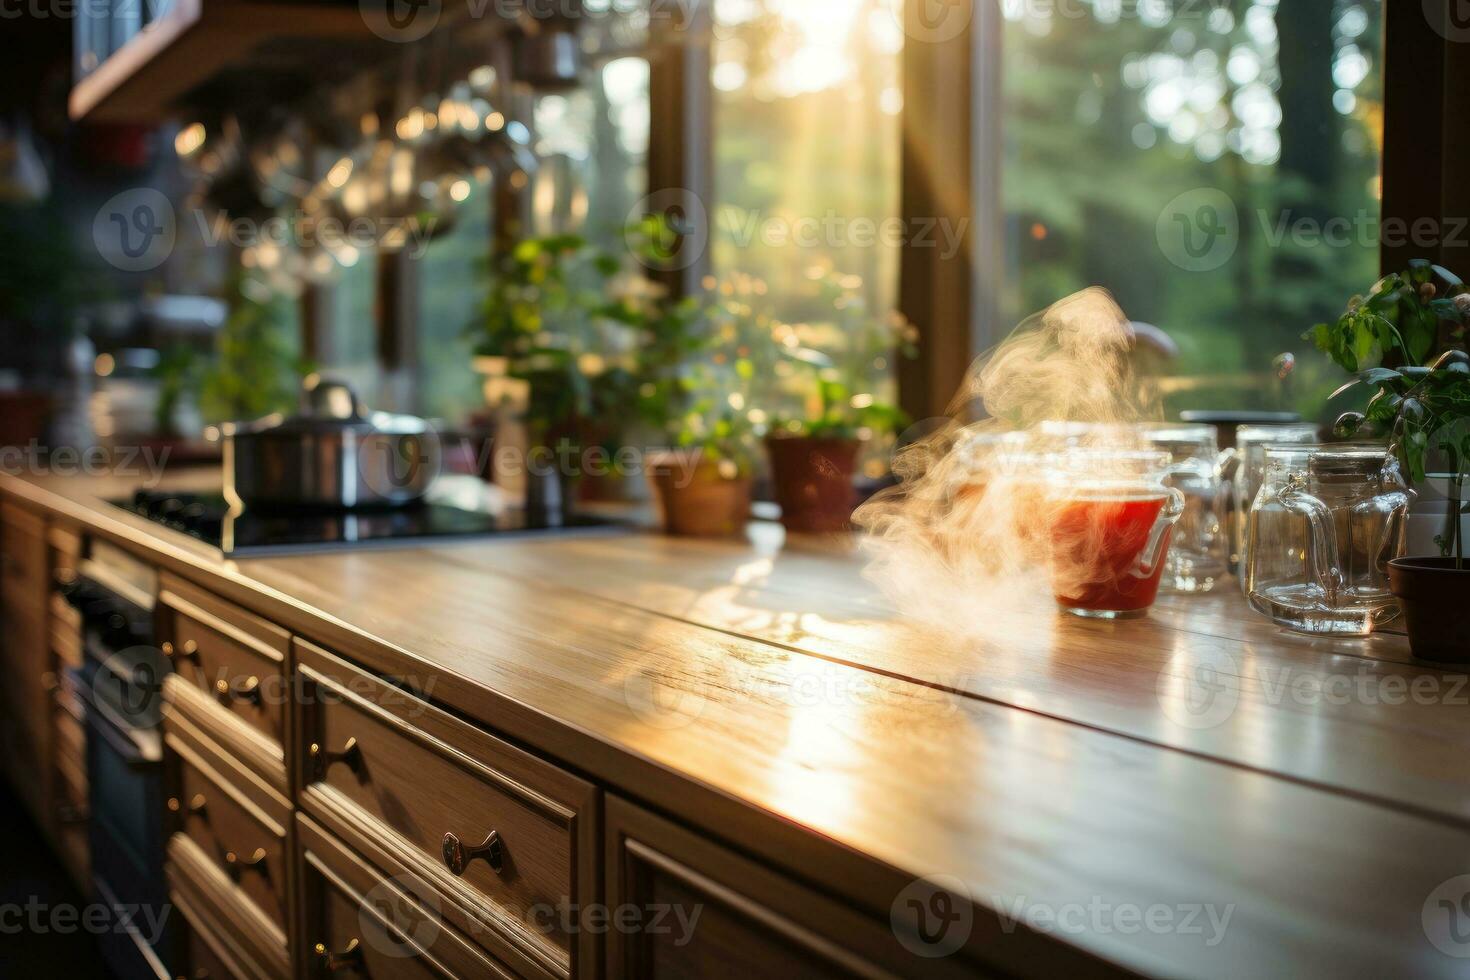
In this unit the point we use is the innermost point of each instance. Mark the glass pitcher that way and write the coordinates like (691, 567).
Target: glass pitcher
(1322, 530)
(1245, 469)
(1197, 557)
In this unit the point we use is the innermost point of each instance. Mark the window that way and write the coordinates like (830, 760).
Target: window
(351, 352)
(806, 131)
(1215, 164)
(451, 290)
(593, 146)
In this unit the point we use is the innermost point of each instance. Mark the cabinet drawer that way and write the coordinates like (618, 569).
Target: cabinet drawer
(506, 837)
(385, 927)
(71, 750)
(722, 915)
(251, 945)
(232, 831)
(208, 956)
(236, 661)
(66, 633)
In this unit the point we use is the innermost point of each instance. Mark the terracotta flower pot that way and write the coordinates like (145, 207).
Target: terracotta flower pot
(812, 478)
(1434, 593)
(694, 499)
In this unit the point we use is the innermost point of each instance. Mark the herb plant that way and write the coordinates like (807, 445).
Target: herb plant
(578, 325)
(1405, 340)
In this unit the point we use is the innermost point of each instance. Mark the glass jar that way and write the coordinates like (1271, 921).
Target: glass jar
(1109, 514)
(1243, 473)
(1322, 530)
(1197, 556)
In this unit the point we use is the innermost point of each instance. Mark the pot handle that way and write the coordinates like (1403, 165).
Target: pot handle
(327, 398)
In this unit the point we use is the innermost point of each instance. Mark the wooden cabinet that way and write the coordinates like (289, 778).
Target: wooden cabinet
(229, 856)
(243, 838)
(694, 908)
(506, 838)
(211, 906)
(234, 663)
(141, 72)
(26, 720)
(209, 955)
(385, 927)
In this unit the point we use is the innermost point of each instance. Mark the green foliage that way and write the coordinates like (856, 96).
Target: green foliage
(570, 318)
(733, 370)
(1424, 408)
(705, 392)
(599, 347)
(42, 275)
(832, 362)
(178, 374)
(1088, 171)
(254, 370)
(1400, 322)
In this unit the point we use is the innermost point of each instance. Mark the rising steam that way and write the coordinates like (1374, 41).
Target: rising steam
(971, 531)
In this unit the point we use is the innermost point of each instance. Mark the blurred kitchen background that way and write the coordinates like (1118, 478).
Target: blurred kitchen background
(463, 133)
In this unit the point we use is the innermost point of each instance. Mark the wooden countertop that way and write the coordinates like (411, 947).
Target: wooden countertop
(1119, 788)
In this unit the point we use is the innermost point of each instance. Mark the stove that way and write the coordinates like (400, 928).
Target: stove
(454, 510)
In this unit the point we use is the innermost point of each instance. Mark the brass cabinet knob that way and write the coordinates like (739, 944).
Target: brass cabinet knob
(349, 959)
(323, 759)
(189, 651)
(236, 864)
(249, 691)
(457, 856)
(194, 809)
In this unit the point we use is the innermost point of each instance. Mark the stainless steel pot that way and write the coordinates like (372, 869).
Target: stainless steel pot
(333, 454)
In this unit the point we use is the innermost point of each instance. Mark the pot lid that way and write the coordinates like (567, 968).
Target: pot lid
(327, 405)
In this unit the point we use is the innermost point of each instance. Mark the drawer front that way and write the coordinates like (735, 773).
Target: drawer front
(384, 927)
(250, 944)
(351, 934)
(705, 911)
(242, 678)
(66, 634)
(208, 957)
(502, 833)
(22, 551)
(220, 820)
(236, 662)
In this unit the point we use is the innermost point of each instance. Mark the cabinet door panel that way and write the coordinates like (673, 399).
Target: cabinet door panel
(688, 907)
(24, 642)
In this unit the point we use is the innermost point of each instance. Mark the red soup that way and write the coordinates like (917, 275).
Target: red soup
(1097, 554)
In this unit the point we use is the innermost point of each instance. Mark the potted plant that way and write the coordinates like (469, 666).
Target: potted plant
(560, 333)
(701, 371)
(702, 487)
(814, 451)
(1405, 340)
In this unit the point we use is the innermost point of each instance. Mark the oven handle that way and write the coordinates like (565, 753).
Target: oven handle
(124, 746)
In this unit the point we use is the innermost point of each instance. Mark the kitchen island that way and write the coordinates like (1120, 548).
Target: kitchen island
(748, 730)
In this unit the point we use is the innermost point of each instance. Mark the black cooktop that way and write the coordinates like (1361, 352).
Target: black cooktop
(249, 532)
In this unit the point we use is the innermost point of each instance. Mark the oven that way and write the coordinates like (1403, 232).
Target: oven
(122, 680)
